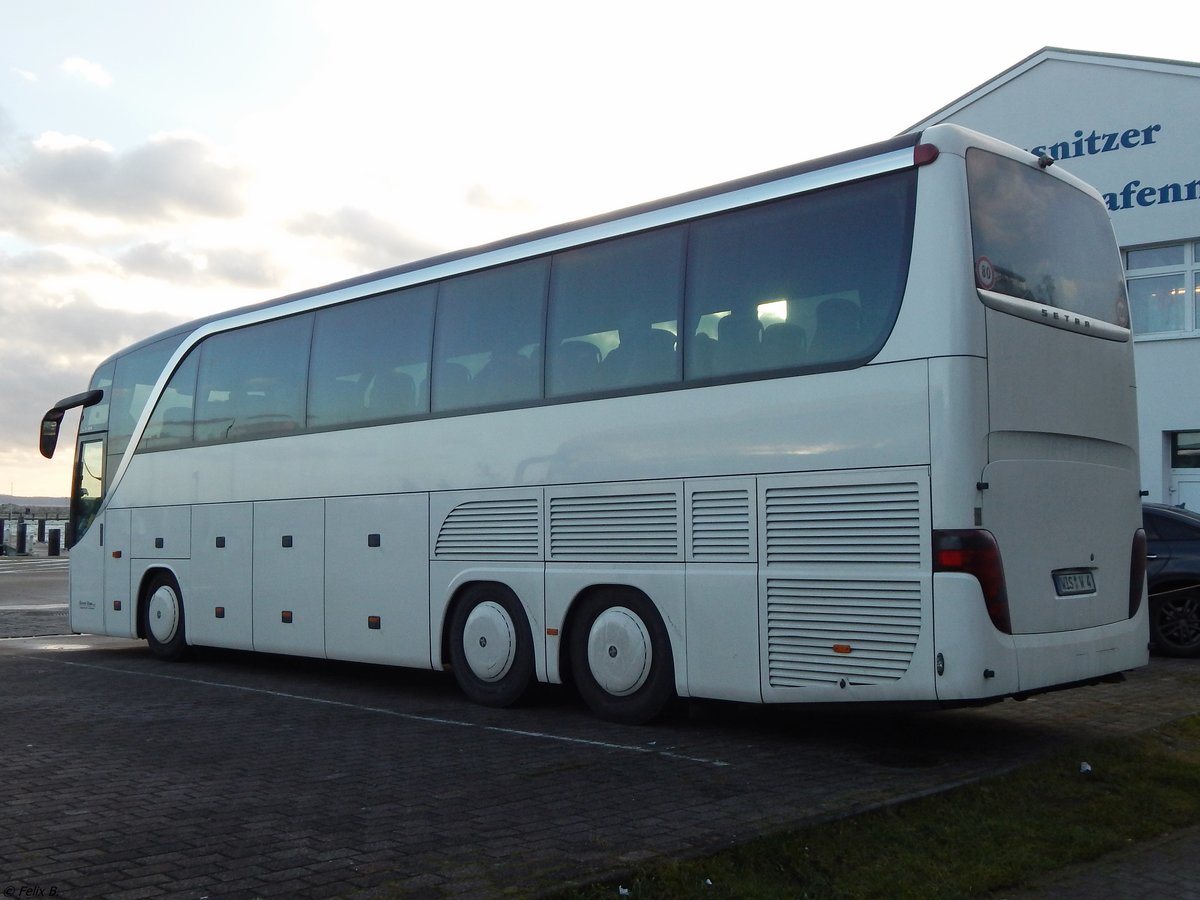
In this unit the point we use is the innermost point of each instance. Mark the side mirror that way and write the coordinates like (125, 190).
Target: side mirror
(51, 421)
(49, 438)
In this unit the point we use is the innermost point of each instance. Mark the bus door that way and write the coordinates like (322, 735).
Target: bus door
(85, 539)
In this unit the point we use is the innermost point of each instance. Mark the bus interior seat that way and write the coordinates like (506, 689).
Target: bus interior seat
(576, 367)
(644, 356)
(739, 342)
(507, 376)
(783, 345)
(392, 394)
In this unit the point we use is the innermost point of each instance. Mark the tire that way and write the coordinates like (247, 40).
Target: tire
(621, 657)
(491, 647)
(1175, 623)
(163, 621)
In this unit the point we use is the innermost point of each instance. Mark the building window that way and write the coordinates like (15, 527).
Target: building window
(1185, 450)
(1164, 287)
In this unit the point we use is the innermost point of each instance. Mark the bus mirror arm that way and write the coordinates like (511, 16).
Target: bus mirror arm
(51, 421)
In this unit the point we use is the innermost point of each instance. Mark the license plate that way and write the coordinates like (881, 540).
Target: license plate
(1070, 583)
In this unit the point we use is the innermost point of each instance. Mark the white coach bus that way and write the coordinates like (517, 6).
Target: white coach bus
(862, 429)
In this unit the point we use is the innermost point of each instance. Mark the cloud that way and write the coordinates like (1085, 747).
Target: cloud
(50, 349)
(25, 74)
(481, 197)
(228, 265)
(76, 67)
(363, 237)
(58, 178)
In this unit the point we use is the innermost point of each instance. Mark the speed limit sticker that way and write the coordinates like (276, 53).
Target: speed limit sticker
(985, 273)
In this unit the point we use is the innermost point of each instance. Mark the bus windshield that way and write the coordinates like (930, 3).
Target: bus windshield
(1067, 260)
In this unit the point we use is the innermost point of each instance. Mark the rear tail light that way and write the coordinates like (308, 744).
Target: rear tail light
(1137, 572)
(975, 552)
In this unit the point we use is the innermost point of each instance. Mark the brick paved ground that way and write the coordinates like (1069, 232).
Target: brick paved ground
(241, 776)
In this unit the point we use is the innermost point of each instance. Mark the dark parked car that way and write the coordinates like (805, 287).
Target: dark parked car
(1173, 573)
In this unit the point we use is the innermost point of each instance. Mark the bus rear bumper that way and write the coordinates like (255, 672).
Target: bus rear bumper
(975, 661)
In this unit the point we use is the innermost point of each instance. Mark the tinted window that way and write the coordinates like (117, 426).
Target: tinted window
(251, 381)
(811, 281)
(488, 338)
(370, 359)
(1039, 239)
(134, 378)
(614, 314)
(1169, 528)
(170, 424)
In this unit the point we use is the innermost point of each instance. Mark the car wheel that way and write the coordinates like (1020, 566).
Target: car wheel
(1175, 622)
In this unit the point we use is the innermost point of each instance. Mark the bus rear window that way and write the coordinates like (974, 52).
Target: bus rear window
(1039, 239)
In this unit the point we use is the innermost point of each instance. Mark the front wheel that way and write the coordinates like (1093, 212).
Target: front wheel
(621, 657)
(1175, 623)
(163, 619)
(491, 648)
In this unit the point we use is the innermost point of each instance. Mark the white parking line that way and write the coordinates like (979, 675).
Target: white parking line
(412, 717)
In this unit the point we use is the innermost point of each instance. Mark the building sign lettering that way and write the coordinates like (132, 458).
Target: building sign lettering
(1134, 193)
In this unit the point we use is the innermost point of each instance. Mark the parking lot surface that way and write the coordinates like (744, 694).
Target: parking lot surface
(235, 775)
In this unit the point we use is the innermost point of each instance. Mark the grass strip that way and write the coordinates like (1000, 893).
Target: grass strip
(1000, 834)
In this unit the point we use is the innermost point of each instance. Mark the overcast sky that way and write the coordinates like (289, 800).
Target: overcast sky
(161, 161)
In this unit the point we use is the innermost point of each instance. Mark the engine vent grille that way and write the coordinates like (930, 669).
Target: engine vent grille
(820, 632)
(855, 524)
(721, 526)
(490, 529)
(637, 527)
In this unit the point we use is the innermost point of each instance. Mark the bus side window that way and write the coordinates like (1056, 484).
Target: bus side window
(490, 324)
(620, 298)
(368, 358)
(170, 424)
(252, 381)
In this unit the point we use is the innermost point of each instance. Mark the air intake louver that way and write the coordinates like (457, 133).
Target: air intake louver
(856, 524)
(721, 526)
(490, 529)
(630, 527)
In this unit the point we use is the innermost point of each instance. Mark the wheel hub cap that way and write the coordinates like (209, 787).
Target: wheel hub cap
(490, 641)
(619, 651)
(163, 614)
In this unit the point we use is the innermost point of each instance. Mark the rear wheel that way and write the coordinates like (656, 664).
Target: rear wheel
(491, 648)
(1175, 622)
(163, 618)
(621, 657)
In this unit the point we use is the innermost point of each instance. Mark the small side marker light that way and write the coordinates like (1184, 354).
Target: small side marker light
(374, 623)
(117, 605)
(220, 612)
(842, 648)
(552, 632)
(287, 617)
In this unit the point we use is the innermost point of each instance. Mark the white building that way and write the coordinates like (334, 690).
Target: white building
(1130, 126)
